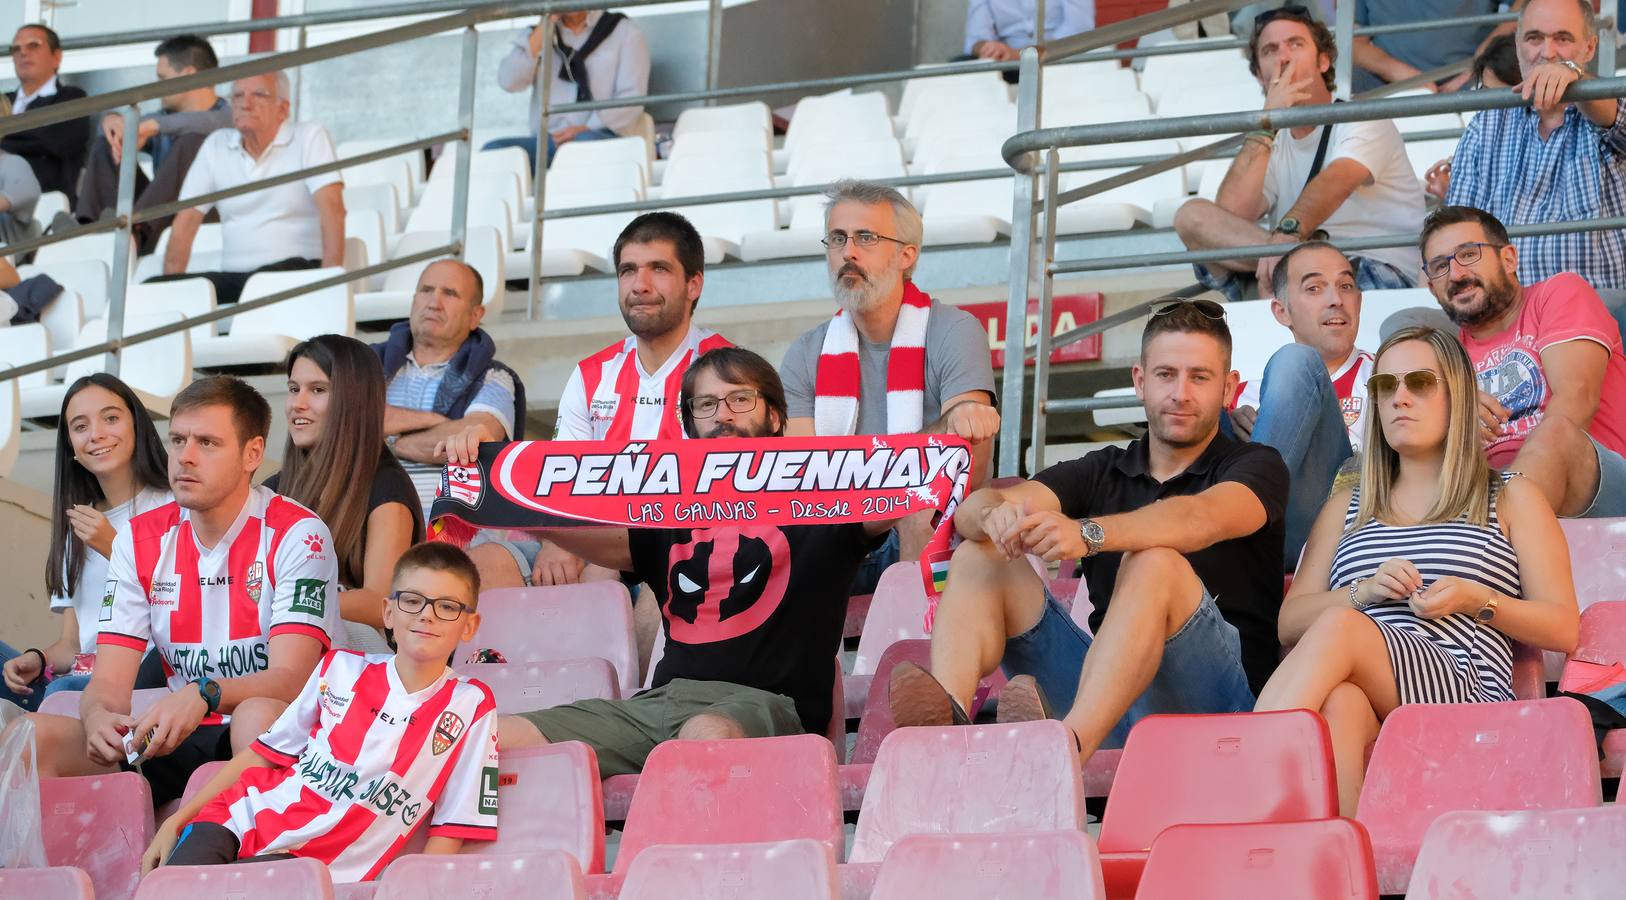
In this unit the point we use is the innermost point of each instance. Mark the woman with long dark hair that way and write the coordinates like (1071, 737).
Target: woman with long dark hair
(110, 466)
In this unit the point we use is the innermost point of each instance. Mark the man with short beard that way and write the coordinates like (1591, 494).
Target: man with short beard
(1552, 377)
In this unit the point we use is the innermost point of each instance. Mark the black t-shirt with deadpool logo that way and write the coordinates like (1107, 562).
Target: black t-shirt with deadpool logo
(754, 605)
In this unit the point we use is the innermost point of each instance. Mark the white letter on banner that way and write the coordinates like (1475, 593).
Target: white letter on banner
(786, 465)
(863, 470)
(822, 468)
(937, 459)
(750, 482)
(627, 473)
(905, 469)
(590, 480)
(714, 468)
(664, 480)
(556, 469)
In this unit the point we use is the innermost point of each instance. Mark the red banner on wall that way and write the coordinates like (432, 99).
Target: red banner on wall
(1066, 313)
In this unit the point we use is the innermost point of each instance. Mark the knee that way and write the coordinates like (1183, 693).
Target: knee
(1347, 709)
(518, 732)
(494, 563)
(1331, 626)
(1560, 435)
(1158, 564)
(1297, 366)
(710, 727)
(1189, 216)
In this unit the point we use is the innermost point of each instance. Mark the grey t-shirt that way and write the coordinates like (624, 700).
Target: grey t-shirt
(956, 361)
(18, 185)
(1424, 49)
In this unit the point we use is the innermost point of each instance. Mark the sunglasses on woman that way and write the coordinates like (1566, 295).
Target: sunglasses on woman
(1420, 382)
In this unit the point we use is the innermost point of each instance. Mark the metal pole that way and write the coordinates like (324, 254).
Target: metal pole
(120, 281)
(299, 73)
(1028, 95)
(1608, 36)
(1047, 281)
(1038, 22)
(539, 179)
(714, 45)
(465, 122)
(1344, 37)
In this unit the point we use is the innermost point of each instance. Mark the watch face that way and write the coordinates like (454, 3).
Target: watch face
(1094, 533)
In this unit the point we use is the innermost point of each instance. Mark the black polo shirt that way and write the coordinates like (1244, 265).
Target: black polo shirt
(1243, 575)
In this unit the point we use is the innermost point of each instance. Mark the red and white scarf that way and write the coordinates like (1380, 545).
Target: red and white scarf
(839, 379)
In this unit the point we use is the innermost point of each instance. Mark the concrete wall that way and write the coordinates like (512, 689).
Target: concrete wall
(25, 536)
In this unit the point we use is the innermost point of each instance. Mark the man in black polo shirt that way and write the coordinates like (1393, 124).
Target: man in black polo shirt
(1181, 534)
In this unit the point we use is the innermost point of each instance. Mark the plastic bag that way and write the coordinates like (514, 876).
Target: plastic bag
(22, 844)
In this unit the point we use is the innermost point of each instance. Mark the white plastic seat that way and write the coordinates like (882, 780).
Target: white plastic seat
(1424, 154)
(1181, 70)
(571, 244)
(62, 319)
(383, 199)
(493, 200)
(367, 226)
(485, 164)
(23, 344)
(839, 116)
(754, 114)
(723, 226)
(943, 114)
(743, 141)
(155, 370)
(394, 171)
(11, 423)
(597, 153)
(482, 249)
(1433, 122)
(919, 94)
(1104, 78)
(807, 212)
(265, 335)
(87, 277)
(1140, 197)
(189, 297)
(616, 175)
(830, 153)
(1202, 100)
(1063, 108)
(413, 158)
(89, 246)
(48, 205)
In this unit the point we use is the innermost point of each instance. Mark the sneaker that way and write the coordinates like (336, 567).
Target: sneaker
(917, 698)
(1022, 700)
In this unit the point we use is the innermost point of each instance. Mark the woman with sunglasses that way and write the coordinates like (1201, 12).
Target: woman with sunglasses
(1415, 583)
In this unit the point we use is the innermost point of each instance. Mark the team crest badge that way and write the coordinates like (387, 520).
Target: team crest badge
(256, 574)
(461, 483)
(447, 731)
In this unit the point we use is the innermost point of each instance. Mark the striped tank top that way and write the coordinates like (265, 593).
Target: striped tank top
(1454, 659)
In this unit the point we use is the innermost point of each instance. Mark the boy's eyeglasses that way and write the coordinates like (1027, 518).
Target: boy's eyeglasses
(1420, 382)
(446, 609)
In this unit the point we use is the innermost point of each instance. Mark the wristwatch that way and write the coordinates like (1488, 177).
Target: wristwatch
(1289, 226)
(1093, 534)
(1573, 67)
(1487, 612)
(209, 690)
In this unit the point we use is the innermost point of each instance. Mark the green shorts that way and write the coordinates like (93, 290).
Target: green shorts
(623, 732)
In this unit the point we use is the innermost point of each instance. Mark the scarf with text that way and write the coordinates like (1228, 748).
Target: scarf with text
(839, 380)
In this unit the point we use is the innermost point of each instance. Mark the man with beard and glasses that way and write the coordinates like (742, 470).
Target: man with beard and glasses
(1181, 539)
(1552, 379)
(763, 670)
(893, 360)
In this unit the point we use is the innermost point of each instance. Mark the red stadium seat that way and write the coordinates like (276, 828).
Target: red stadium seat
(1213, 769)
(1598, 565)
(1600, 654)
(66, 703)
(1436, 758)
(800, 869)
(1327, 859)
(57, 883)
(536, 875)
(304, 878)
(897, 612)
(548, 799)
(734, 792)
(200, 777)
(99, 823)
(1058, 865)
(539, 684)
(876, 722)
(973, 779)
(1537, 854)
(1529, 675)
(365, 890)
(564, 622)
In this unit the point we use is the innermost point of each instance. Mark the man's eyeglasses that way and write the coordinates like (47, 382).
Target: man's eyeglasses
(738, 402)
(240, 98)
(1207, 307)
(1420, 382)
(412, 603)
(836, 240)
(1466, 255)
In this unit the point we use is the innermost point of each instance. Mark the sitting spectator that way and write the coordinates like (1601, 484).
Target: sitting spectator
(1549, 363)
(110, 467)
(335, 407)
(1387, 58)
(1181, 542)
(56, 152)
(1309, 401)
(299, 225)
(999, 30)
(1496, 67)
(264, 805)
(19, 192)
(171, 136)
(1552, 160)
(231, 583)
(443, 385)
(600, 55)
(1350, 180)
(715, 681)
(892, 360)
(1415, 583)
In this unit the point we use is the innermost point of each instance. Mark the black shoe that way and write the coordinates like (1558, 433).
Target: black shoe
(1021, 700)
(916, 698)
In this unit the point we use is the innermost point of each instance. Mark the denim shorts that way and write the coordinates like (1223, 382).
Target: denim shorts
(1201, 671)
(526, 552)
(1610, 500)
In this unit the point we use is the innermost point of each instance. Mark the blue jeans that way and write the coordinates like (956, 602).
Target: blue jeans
(30, 702)
(869, 571)
(528, 144)
(1299, 416)
(1201, 670)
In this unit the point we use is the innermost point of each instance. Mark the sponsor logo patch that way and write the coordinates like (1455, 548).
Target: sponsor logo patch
(310, 597)
(488, 791)
(256, 576)
(314, 541)
(107, 602)
(447, 731)
(461, 483)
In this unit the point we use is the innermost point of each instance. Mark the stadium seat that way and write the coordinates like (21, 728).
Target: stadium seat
(87, 277)
(55, 883)
(1327, 859)
(364, 890)
(563, 622)
(807, 212)
(22, 344)
(842, 115)
(502, 161)
(974, 779)
(1056, 865)
(383, 199)
(746, 141)
(155, 370)
(483, 249)
(897, 612)
(995, 118)
(1424, 154)
(561, 779)
(265, 335)
(538, 874)
(736, 791)
(303, 878)
(797, 869)
(97, 247)
(616, 175)
(49, 204)
(723, 226)
(200, 777)
(1514, 855)
(1212, 769)
(62, 319)
(189, 297)
(1597, 563)
(393, 173)
(1599, 658)
(754, 114)
(524, 686)
(99, 823)
(493, 202)
(597, 153)
(875, 721)
(571, 243)
(367, 226)
(413, 158)
(1208, 67)
(1435, 758)
(66, 703)
(924, 98)
(11, 423)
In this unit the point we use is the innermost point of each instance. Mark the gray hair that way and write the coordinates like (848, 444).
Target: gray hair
(910, 229)
(1589, 18)
(285, 89)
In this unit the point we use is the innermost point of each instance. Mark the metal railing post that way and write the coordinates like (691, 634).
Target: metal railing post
(1028, 97)
(1344, 38)
(1038, 22)
(299, 73)
(1047, 281)
(465, 122)
(1608, 36)
(120, 281)
(539, 174)
(714, 46)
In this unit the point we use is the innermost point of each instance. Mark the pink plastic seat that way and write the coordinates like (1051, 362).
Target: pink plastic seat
(1600, 654)
(539, 684)
(537, 875)
(565, 622)
(548, 799)
(99, 823)
(1327, 859)
(55, 883)
(897, 612)
(304, 878)
(1212, 769)
(1436, 758)
(801, 869)
(365, 890)
(876, 722)
(66, 703)
(200, 776)
(972, 779)
(1598, 566)
(733, 792)
(1057, 865)
(1567, 853)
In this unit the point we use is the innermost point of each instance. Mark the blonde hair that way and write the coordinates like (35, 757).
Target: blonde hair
(1465, 477)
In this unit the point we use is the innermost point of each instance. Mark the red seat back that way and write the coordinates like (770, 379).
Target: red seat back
(897, 612)
(258, 881)
(548, 798)
(1216, 769)
(538, 875)
(735, 792)
(1060, 865)
(200, 776)
(877, 722)
(522, 686)
(99, 823)
(564, 622)
(1597, 558)
(1600, 654)
(66, 703)
(799, 869)
(1328, 859)
(1436, 758)
(1570, 853)
(56, 883)
(971, 779)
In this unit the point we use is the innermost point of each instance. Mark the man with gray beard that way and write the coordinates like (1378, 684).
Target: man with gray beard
(892, 360)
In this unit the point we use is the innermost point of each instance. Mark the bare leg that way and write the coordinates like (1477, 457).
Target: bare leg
(646, 624)
(1205, 225)
(1343, 645)
(496, 567)
(1559, 459)
(59, 743)
(1353, 726)
(988, 599)
(708, 726)
(252, 718)
(516, 732)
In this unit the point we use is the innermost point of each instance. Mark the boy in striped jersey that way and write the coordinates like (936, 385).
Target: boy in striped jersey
(374, 746)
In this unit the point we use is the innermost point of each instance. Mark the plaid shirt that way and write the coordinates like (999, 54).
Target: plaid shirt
(1503, 166)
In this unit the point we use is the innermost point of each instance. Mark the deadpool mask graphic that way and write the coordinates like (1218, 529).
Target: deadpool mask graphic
(725, 582)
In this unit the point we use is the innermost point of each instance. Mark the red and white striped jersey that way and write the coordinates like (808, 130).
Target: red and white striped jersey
(360, 762)
(1348, 385)
(610, 396)
(214, 611)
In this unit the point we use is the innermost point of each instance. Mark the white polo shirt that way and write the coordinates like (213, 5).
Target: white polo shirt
(271, 225)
